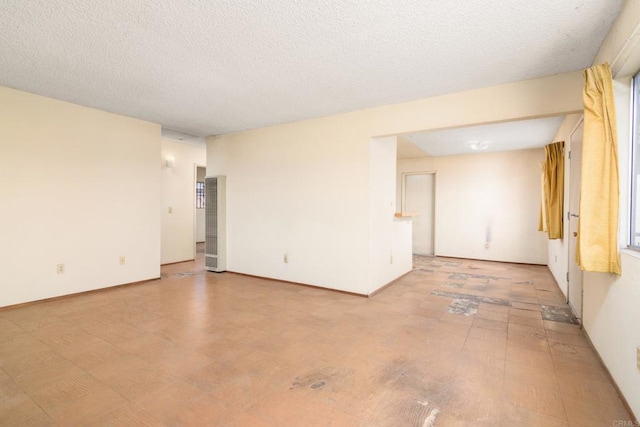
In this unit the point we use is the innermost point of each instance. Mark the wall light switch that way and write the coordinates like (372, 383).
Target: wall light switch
(60, 268)
(170, 209)
(638, 356)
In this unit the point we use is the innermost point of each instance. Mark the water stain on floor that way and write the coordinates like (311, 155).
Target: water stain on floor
(186, 274)
(453, 285)
(558, 314)
(467, 304)
(463, 306)
(464, 276)
(475, 298)
(407, 405)
(320, 379)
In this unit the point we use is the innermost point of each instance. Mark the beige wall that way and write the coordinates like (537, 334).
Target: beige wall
(610, 303)
(79, 187)
(482, 196)
(303, 188)
(178, 195)
(297, 190)
(390, 253)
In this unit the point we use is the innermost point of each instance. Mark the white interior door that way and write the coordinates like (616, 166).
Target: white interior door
(574, 293)
(418, 193)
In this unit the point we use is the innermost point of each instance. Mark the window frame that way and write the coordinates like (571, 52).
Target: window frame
(200, 195)
(634, 170)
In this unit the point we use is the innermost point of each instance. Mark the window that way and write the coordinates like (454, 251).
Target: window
(635, 166)
(199, 195)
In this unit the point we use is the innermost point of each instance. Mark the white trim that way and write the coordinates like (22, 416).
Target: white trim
(193, 205)
(632, 181)
(570, 259)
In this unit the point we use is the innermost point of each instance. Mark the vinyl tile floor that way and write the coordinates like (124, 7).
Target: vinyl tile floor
(453, 343)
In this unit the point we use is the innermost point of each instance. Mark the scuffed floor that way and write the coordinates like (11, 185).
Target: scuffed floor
(471, 289)
(453, 343)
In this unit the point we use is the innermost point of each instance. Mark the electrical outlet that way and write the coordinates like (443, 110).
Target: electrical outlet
(60, 268)
(638, 356)
(285, 258)
(486, 245)
(123, 260)
(170, 209)
(391, 259)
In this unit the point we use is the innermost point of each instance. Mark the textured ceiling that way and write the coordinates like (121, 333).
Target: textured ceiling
(517, 135)
(206, 68)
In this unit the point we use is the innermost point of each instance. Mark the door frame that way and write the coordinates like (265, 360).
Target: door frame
(403, 200)
(578, 311)
(193, 203)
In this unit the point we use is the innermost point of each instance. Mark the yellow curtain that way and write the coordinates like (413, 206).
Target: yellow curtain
(542, 221)
(599, 194)
(552, 190)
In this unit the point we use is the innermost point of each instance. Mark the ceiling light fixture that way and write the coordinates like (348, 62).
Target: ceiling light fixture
(478, 145)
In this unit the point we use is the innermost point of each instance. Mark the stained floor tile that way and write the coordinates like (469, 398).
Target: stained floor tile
(455, 342)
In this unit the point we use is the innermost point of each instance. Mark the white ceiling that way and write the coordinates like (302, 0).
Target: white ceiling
(206, 68)
(517, 135)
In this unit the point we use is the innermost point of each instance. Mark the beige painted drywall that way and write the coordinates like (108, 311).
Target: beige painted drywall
(408, 150)
(303, 189)
(178, 199)
(611, 319)
(610, 303)
(485, 196)
(79, 187)
(390, 240)
(298, 191)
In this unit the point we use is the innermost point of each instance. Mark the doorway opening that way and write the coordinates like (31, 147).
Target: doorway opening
(574, 275)
(418, 199)
(199, 221)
